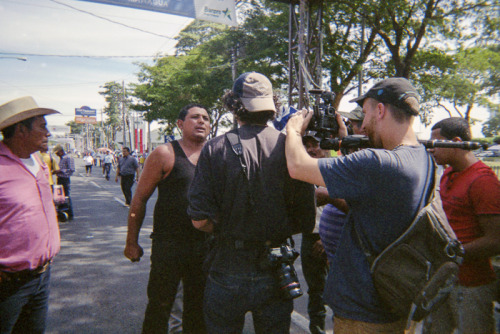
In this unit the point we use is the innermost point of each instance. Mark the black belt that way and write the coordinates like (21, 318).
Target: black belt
(249, 244)
(23, 274)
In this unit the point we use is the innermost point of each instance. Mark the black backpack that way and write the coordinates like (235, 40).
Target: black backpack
(416, 273)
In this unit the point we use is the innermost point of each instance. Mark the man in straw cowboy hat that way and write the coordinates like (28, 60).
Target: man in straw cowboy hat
(29, 234)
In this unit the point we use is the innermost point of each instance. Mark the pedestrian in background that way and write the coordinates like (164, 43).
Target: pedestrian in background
(382, 186)
(51, 164)
(127, 168)
(66, 169)
(29, 233)
(470, 193)
(89, 162)
(253, 207)
(108, 163)
(178, 249)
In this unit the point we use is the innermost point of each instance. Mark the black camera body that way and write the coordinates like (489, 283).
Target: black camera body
(280, 259)
(323, 120)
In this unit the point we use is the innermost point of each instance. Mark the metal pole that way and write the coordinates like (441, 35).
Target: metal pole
(290, 54)
(361, 47)
(302, 51)
(123, 115)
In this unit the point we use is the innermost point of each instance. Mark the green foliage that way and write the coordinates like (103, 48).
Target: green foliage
(401, 38)
(75, 128)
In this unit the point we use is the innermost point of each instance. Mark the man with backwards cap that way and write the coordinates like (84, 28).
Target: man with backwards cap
(29, 234)
(248, 200)
(382, 186)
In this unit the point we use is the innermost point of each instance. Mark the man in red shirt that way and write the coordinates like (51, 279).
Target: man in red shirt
(470, 192)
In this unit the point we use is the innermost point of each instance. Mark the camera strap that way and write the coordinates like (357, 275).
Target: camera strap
(235, 141)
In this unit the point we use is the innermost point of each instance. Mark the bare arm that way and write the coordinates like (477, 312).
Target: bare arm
(158, 165)
(117, 172)
(488, 244)
(300, 165)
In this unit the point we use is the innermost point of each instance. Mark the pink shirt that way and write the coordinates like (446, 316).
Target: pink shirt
(29, 232)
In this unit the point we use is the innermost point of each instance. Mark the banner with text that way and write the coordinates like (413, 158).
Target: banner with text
(85, 115)
(220, 11)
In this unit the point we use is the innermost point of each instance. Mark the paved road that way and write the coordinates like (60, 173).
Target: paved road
(95, 289)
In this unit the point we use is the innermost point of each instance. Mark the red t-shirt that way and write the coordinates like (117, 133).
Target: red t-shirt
(466, 195)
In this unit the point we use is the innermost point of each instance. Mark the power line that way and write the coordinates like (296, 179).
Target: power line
(112, 21)
(72, 56)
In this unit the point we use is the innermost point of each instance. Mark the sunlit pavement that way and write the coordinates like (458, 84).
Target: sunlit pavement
(94, 288)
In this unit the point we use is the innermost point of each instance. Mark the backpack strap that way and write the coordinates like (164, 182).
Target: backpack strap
(424, 200)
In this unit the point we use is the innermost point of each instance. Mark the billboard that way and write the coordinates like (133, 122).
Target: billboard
(85, 115)
(220, 11)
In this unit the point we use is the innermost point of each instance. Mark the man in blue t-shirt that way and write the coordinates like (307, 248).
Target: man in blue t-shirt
(382, 186)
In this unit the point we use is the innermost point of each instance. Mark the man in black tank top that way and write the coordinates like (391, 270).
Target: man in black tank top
(178, 248)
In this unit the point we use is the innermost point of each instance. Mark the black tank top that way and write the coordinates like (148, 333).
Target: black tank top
(171, 220)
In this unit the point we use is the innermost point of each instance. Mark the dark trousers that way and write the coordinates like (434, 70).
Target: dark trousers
(65, 182)
(315, 269)
(171, 262)
(127, 181)
(24, 304)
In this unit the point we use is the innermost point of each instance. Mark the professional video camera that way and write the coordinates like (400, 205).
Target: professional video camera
(360, 141)
(281, 260)
(323, 120)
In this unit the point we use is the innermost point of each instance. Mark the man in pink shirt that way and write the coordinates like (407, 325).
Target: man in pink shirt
(29, 234)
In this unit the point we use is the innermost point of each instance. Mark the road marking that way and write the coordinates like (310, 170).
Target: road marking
(95, 184)
(120, 201)
(300, 321)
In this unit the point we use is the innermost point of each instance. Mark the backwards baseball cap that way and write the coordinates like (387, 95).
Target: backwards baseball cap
(356, 114)
(394, 91)
(20, 109)
(310, 135)
(255, 92)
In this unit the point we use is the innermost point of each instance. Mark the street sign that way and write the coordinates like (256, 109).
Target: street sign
(85, 111)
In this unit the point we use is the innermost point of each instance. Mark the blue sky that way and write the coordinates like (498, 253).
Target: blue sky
(31, 28)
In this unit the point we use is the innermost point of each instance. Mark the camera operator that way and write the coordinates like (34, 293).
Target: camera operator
(382, 185)
(242, 192)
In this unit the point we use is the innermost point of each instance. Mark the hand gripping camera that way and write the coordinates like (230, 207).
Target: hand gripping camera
(281, 259)
(323, 120)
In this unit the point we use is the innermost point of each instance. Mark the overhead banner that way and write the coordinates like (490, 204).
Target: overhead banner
(220, 11)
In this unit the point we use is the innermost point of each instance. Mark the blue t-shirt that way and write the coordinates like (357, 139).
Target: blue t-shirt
(383, 189)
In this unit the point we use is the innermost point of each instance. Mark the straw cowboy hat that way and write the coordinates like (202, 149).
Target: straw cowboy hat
(20, 109)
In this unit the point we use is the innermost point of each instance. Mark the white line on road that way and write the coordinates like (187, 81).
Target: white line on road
(119, 201)
(95, 184)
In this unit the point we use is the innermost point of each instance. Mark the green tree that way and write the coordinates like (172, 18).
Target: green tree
(113, 94)
(75, 128)
(460, 82)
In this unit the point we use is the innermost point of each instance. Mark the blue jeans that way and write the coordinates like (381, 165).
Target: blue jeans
(107, 170)
(228, 298)
(24, 304)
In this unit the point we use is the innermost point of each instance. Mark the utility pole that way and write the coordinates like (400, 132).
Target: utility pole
(361, 47)
(124, 116)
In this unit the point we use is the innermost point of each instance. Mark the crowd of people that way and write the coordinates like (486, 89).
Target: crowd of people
(228, 208)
